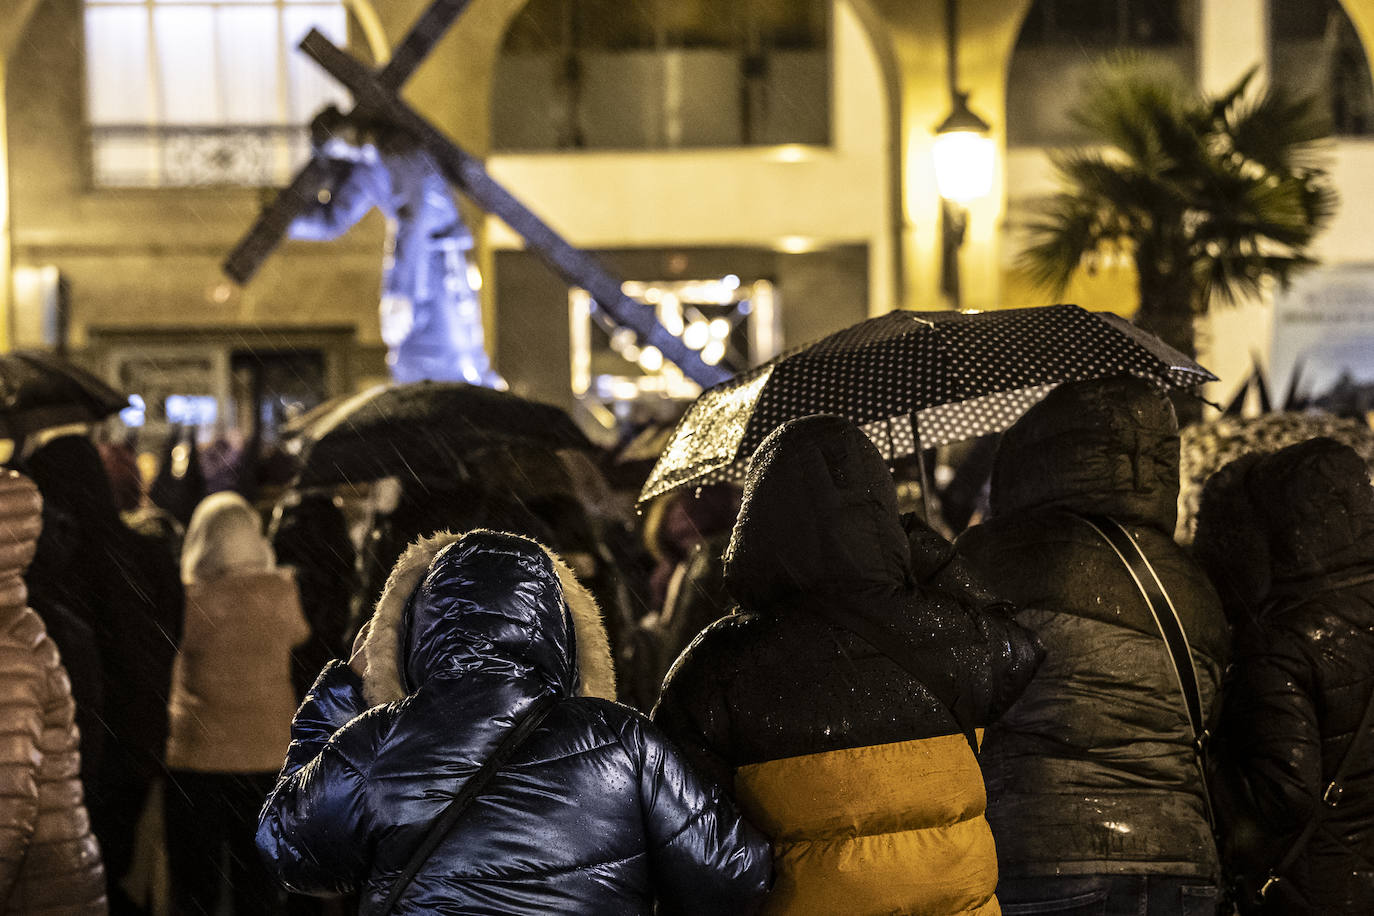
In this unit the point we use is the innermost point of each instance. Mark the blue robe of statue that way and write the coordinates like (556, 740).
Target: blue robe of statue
(431, 318)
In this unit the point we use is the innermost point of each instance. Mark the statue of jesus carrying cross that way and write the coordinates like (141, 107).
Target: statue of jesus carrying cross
(431, 319)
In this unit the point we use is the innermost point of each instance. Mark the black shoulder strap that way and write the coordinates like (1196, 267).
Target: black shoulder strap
(1170, 627)
(470, 790)
(897, 647)
(1331, 797)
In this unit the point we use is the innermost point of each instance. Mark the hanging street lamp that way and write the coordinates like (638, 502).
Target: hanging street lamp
(965, 159)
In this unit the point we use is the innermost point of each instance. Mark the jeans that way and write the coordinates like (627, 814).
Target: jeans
(1108, 895)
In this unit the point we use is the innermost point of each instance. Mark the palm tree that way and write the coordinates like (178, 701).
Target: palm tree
(1210, 196)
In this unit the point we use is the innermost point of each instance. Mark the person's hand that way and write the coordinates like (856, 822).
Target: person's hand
(358, 659)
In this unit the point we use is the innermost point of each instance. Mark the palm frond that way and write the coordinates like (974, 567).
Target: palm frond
(1222, 192)
(1279, 131)
(1063, 232)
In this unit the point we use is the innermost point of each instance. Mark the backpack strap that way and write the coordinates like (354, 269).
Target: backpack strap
(1170, 628)
(474, 786)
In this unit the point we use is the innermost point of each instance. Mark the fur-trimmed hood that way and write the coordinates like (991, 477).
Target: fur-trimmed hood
(485, 600)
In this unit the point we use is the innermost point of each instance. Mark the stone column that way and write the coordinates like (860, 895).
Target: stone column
(11, 28)
(915, 32)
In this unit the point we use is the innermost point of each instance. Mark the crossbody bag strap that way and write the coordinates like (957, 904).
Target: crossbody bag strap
(896, 647)
(469, 791)
(1170, 628)
(1331, 797)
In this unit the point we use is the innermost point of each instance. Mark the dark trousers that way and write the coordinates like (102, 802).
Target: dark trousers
(114, 808)
(211, 819)
(1108, 895)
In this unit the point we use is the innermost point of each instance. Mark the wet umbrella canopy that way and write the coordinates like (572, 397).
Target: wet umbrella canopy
(943, 376)
(424, 428)
(40, 390)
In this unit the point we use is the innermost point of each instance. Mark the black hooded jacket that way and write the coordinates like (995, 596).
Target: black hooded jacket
(1092, 770)
(126, 589)
(783, 701)
(1290, 539)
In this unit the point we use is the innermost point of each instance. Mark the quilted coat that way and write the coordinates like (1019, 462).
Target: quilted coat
(858, 770)
(49, 861)
(1290, 538)
(1092, 770)
(595, 812)
(232, 699)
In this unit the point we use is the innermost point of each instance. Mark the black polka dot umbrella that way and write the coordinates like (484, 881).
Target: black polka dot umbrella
(938, 377)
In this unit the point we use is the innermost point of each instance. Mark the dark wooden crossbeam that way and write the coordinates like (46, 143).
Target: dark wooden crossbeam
(273, 222)
(467, 173)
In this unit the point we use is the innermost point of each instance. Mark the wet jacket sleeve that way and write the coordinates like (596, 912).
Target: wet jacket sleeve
(21, 725)
(692, 711)
(352, 192)
(312, 831)
(704, 856)
(1272, 732)
(1014, 652)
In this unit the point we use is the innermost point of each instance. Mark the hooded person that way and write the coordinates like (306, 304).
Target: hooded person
(309, 533)
(1094, 788)
(125, 588)
(230, 706)
(593, 812)
(843, 696)
(1289, 537)
(49, 861)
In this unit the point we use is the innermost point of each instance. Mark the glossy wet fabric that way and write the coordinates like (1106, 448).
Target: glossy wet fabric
(857, 770)
(1304, 667)
(49, 861)
(1092, 770)
(596, 813)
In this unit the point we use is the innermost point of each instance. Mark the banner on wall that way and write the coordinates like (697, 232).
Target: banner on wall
(1324, 338)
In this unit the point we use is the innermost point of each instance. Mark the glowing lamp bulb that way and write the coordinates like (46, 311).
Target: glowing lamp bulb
(964, 162)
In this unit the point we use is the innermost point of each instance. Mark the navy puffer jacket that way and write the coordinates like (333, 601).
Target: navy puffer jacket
(595, 813)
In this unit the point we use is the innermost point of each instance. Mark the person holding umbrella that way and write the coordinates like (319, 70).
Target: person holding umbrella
(844, 697)
(1095, 780)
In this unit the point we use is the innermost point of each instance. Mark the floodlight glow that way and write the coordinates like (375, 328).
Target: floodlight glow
(713, 352)
(719, 328)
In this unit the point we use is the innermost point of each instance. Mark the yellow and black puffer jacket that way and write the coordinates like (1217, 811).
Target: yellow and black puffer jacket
(858, 768)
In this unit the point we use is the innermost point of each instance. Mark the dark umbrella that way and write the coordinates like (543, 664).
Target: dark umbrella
(39, 390)
(904, 377)
(423, 429)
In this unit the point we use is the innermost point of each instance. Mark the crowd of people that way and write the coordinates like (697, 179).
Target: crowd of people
(501, 692)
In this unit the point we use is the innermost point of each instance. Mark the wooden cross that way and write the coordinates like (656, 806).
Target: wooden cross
(377, 94)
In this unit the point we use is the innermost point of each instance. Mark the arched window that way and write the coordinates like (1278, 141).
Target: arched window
(203, 92)
(1314, 50)
(1062, 40)
(663, 74)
